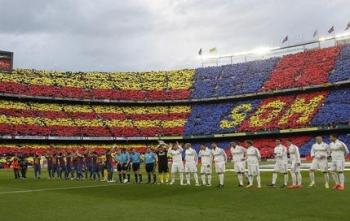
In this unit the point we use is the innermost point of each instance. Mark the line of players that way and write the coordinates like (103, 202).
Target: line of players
(336, 150)
(91, 165)
(246, 163)
(245, 160)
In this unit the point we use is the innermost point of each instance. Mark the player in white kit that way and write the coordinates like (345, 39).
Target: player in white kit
(294, 157)
(281, 164)
(253, 158)
(339, 150)
(238, 158)
(220, 159)
(177, 165)
(206, 164)
(191, 161)
(319, 153)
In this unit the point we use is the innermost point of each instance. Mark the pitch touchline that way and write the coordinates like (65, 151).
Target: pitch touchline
(50, 189)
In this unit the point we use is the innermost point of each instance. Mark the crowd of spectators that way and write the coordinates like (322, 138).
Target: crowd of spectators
(167, 85)
(53, 119)
(310, 67)
(321, 109)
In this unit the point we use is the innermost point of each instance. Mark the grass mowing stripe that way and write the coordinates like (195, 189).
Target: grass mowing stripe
(51, 189)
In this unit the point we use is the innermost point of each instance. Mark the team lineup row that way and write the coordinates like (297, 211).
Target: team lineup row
(90, 165)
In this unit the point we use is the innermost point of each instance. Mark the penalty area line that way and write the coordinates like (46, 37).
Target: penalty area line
(52, 189)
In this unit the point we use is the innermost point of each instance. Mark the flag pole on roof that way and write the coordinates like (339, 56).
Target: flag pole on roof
(316, 37)
(347, 26)
(285, 39)
(331, 30)
(200, 52)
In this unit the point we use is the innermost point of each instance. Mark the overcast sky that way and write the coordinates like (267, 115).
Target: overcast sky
(138, 35)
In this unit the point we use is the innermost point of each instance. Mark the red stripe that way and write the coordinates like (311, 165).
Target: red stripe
(73, 92)
(88, 116)
(31, 113)
(302, 69)
(30, 150)
(36, 130)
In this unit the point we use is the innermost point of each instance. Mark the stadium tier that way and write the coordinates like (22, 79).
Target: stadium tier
(304, 110)
(269, 114)
(311, 67)
(170, 85)
(48, 119)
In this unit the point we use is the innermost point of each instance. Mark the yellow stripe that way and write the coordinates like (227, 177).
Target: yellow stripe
(143, 109)
(13, 105)
(90, 123)
(171, 80)
(105, 146)
(98, 108)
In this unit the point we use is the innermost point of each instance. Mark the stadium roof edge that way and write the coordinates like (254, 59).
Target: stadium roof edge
(274, 50)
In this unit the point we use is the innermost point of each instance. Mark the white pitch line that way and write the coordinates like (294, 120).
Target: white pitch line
(51, 189)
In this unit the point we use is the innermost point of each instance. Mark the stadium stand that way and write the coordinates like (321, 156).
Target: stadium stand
(311, 67)
(169, 85)
(335, 109)
(232, 79)
(268, 114)
(302, 69)
(342, 66)
(322, 109)
(52, 119)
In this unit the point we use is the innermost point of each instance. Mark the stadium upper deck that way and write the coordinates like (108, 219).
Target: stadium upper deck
(311, 67)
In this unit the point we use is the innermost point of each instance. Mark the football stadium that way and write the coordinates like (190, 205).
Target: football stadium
(255, 134)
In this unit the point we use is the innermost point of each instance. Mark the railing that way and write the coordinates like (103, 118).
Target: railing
(322, 129)
(268, 52)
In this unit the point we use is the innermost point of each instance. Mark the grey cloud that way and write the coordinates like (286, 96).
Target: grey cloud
(137, 35)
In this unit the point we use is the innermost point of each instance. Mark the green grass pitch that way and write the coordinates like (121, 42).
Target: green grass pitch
(92, 200)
